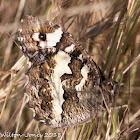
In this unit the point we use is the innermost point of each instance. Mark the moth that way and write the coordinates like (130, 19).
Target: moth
(65, 85)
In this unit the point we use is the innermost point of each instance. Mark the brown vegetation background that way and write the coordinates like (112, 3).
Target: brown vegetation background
(110, 32)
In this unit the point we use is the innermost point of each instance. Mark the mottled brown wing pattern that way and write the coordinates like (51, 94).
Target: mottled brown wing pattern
(64, 83)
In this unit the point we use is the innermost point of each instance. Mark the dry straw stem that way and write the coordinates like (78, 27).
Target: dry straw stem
(89, 8)
(10, 42)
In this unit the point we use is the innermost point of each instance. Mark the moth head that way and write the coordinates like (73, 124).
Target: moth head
(38, 37)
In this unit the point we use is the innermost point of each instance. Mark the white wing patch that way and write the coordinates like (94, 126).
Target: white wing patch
(62, 60)
(35, 36)
(20, 39)
(84, 72)
(80, 57)
(70, 48)
(53, 38)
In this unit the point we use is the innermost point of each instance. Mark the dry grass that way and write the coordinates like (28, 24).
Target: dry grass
(108, 30)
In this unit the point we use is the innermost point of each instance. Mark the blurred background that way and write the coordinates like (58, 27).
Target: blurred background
(109, 30)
